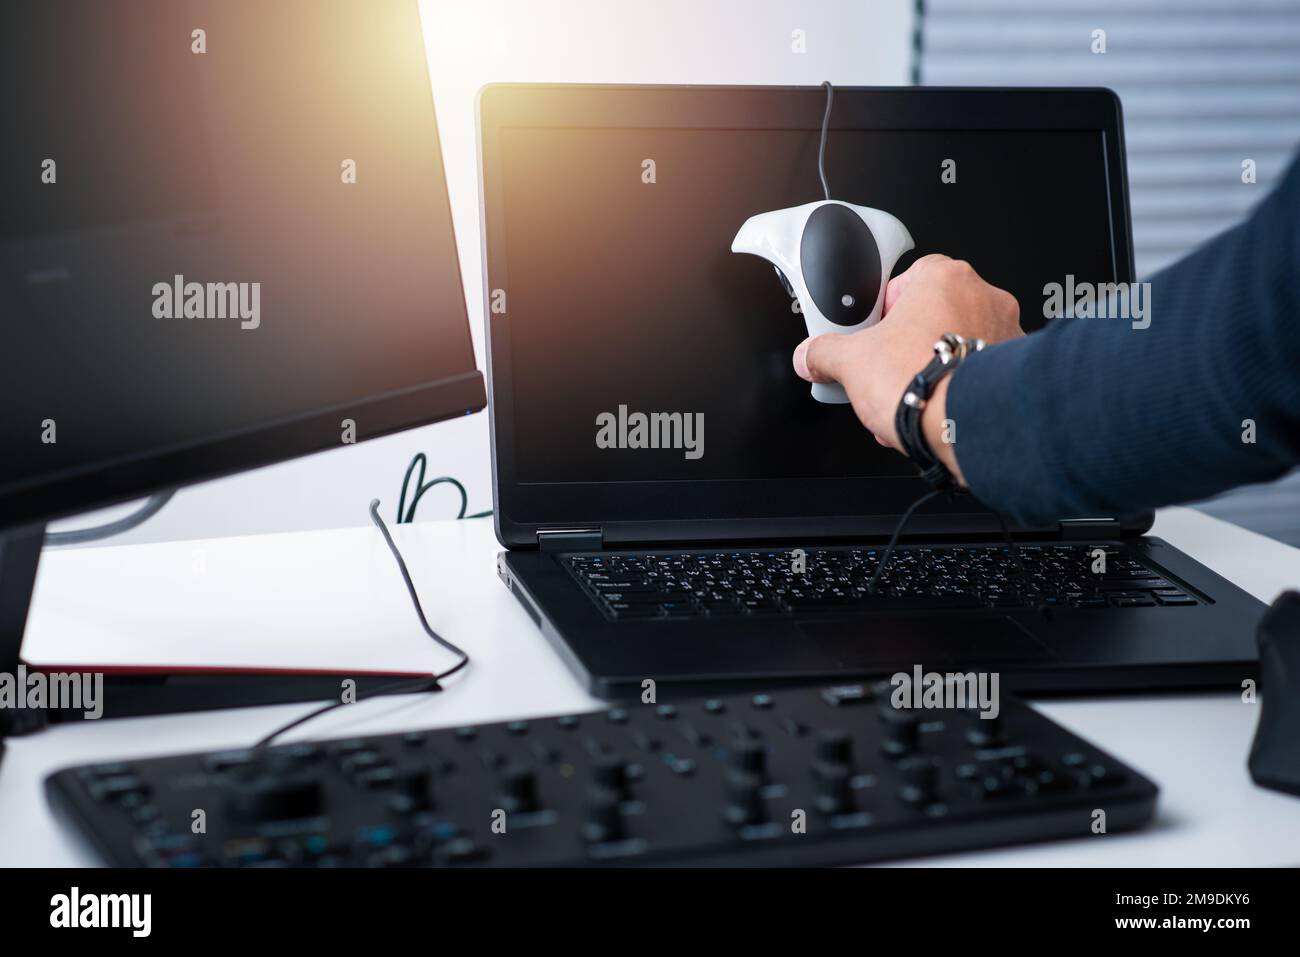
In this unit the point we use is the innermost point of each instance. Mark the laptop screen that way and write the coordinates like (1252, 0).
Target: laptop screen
(634, 303)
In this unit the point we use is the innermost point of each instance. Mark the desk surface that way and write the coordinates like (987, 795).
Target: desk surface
(333, 598)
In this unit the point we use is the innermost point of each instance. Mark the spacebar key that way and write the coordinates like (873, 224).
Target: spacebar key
(883, 603)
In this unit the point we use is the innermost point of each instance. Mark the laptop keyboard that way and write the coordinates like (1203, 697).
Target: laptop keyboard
(675, 584)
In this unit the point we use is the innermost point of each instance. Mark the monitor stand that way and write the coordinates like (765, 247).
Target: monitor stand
(130, 692)
(20, 553)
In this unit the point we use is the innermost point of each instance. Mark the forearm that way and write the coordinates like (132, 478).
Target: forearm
(1093, 417)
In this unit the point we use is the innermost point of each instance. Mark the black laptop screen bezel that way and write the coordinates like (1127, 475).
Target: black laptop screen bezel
(820, 508)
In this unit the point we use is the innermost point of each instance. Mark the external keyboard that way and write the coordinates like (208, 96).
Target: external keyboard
(801, 776)
(670, 584)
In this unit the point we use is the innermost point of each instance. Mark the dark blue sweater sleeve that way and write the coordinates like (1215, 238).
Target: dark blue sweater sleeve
(1093, 418)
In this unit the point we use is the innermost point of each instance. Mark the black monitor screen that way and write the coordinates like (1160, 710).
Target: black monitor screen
(215, 218)
(634, 302)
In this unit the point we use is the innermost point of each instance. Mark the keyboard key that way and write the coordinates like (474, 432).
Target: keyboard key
(1133, 584)
(725, 608)
(626, 610)
(678, 608)
(624, 585)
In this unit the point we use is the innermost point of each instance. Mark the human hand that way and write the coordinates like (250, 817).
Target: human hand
(875, 365)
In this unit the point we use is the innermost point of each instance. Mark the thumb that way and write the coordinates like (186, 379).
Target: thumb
(820, 358)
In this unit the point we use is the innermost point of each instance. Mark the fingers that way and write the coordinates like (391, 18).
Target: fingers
(1009, 304)
(820, 358)
(900, 282)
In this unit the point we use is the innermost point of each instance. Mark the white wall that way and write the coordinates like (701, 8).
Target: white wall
(473, 42)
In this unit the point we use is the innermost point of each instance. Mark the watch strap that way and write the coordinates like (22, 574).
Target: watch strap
(950, 351)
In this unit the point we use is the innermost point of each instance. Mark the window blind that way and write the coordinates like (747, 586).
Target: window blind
(1206, 85)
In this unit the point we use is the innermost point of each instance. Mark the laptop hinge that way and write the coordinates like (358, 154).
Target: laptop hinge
(570, 539)
(1077, 529)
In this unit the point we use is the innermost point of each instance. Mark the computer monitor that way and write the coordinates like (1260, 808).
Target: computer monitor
(225, 241)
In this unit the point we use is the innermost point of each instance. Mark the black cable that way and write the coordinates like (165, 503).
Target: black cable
(821, 151)
(464, 496)
(406, 515)
(415, 598)
(1014, 550)
(430, 682)
(420, 460)
(1012, 547)
(426, 683)
(79, 536)
(893, 541)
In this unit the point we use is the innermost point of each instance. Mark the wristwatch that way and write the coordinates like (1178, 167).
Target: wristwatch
(949, 352)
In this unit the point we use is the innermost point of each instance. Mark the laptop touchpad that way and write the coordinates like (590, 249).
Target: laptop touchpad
(874, 641)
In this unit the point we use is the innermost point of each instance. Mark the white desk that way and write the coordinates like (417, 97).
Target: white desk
(333, 598)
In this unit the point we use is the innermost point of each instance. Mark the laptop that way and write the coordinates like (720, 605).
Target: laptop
(673, 503)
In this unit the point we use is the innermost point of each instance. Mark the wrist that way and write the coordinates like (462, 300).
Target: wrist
(926, 433)
(940, 431)
(898, 356)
